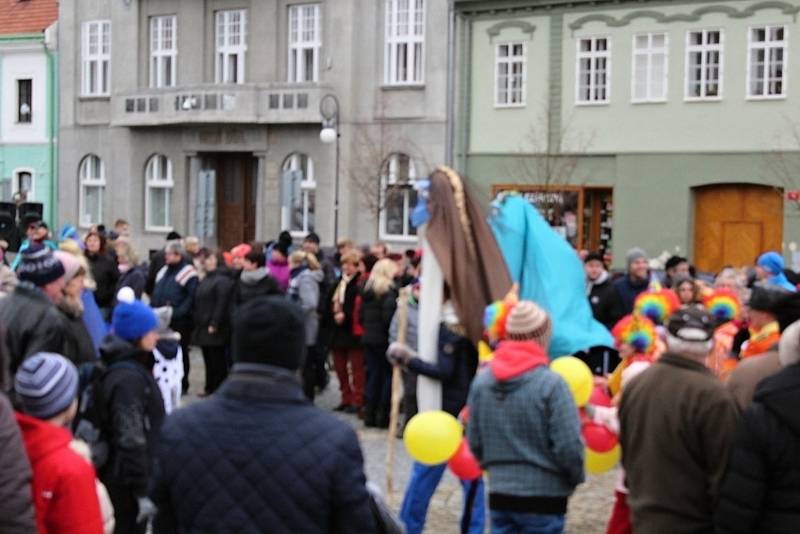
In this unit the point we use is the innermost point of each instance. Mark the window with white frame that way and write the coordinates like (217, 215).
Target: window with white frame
(163, 50)
(96, 58)
(158, 193)
(231, 36)
(299, 194)
(92, 179)
(766, 62)
(594, 70)
(405, 42)
(650, 56)
(24, 101)
(23, 184)
(510, 74)
(305, 40)
(704, 50)
(398, 197)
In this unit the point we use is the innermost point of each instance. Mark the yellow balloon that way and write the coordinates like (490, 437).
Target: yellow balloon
(433, 437)
(577, 375)
(600, 462)
(485, 354)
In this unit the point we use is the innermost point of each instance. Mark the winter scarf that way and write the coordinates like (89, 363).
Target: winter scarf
(761, 340)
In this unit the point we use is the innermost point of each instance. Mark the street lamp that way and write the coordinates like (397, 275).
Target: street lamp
(329, 109)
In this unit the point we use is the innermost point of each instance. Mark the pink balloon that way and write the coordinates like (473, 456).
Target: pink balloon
(598, 438)
(600, 397)
(463, 464)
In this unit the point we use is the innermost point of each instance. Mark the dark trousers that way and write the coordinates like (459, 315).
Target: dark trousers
(216, 366)
(125, 510)
(379, 379)
(310, 365)
(186, 338)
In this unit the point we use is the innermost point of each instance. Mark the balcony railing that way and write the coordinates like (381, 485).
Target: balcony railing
(204, 104)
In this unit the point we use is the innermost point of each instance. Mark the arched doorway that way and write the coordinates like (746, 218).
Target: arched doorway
(734, 223)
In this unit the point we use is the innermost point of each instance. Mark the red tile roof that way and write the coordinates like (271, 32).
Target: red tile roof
(27, 16)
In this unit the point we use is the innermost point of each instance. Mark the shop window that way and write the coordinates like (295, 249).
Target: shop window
(584, 216)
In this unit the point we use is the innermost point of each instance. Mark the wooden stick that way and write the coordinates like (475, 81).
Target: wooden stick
(397, 390)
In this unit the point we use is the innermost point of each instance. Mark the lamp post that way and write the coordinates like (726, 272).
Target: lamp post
(329, 109)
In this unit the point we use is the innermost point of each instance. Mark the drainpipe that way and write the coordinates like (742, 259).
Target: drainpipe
(52, 120)
(451, 83)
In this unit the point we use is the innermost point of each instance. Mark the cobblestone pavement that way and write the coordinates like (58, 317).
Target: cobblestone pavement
(589, 508)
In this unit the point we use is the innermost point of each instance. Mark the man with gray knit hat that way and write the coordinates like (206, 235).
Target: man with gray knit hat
(524, 429)
(677, 423)
(636, 279)
(32, 321)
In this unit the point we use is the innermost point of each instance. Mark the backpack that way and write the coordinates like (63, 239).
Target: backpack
(92, 419)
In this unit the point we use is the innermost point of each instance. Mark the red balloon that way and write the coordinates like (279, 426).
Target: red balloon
(463, 464)
(598, 438)
(600, 397)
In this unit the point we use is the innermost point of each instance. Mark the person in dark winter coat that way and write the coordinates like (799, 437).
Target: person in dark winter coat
(134, 411)
(78, 346)
(64, 484)
(104, 271)
(761, 489)
(603, 297)
(175, 287)
(304, 284)
(635, 281)
(131, 274)
(255, 280)
(454, 368)
(379, 301)
(211, 319)
(157, 262)
(286, 466)
(677, 424)
(31, 320)
(345, 341)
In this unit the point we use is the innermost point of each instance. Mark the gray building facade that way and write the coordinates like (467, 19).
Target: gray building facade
(203, 116)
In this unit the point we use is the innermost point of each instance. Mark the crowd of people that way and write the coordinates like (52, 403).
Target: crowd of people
(95, 361)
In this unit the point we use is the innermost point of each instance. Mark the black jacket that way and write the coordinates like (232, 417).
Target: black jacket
(606, 303)
(628, 291)
(133, 410)
(105, 274)
(342, 336)
(175, 287)
(761, 489)
(78, 345)
(376, 316)
(455, 368)
(211, 308)
(32, 323)
(258, 457)
(254, 284)
(135, 278)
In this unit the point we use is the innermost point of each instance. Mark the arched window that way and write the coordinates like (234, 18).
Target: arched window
(398, 197)
(23, 184)
(299, 189)
(158, 193)
(92, 174)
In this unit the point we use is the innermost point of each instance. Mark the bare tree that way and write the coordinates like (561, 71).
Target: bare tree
(783, 164)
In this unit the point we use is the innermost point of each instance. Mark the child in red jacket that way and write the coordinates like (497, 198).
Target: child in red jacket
(64, 492)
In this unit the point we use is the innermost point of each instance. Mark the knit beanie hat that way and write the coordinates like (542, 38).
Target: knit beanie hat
(241, 250)
(634, 254)
(528, 322)
(70, 263)
(132, 319)
(39, 266)
(269, 330)
(46, 384)
(772, 262)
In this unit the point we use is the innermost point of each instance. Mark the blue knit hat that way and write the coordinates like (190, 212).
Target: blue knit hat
(46, 384)
(132, 319)
(771, 262)
(39, 266)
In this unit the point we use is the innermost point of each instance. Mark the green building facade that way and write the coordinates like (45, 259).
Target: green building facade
(28, 118)
(674, 126)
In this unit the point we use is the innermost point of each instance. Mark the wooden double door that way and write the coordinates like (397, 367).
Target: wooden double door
(235, 197)
(733, 224)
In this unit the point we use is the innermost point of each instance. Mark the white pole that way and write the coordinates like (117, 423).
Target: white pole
(429, 392)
